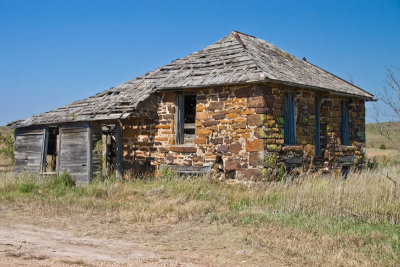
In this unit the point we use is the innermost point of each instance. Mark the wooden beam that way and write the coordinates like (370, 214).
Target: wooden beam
(89, 152)
(118, 139)
(59, 150)
(44, 148)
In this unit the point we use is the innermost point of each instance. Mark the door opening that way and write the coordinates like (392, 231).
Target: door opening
(109, 148)
(52, 150)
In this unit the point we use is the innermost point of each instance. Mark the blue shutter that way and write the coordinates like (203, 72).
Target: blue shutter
(344, 129)
(317, 126)
(180, 105)
(289, 119)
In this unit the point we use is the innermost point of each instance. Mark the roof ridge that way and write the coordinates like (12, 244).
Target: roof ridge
(252, 57)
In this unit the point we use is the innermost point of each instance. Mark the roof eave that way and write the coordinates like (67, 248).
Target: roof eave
(331, 91)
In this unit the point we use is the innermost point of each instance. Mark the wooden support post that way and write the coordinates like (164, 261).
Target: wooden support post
(89, 152)
(44, 148)
(118, 139)
(59, 150)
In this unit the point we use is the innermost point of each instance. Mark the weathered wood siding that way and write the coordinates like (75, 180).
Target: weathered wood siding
(29, 149)
(74, 147)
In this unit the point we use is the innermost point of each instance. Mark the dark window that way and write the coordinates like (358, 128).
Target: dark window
(290, 119)
(186, 119)
(344, 127)
(317, 126)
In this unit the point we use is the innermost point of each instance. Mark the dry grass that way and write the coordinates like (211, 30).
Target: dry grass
(359, 216)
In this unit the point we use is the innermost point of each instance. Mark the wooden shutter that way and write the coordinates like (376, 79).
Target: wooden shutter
(290, 119)
(180, 105)
(344, 129)
(317, 126)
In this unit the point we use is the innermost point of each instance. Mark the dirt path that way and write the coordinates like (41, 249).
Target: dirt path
(22, 244)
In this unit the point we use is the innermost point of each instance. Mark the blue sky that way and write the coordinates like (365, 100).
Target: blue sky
(56, 52)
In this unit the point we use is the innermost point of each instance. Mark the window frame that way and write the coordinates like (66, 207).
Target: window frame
(180, 118)
(289, 118)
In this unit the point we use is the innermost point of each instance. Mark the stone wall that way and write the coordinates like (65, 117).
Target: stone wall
(239, 130)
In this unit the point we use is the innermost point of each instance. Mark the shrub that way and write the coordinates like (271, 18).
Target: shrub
(382, 146)
(28, 187)
(65, 180)
(372, 165)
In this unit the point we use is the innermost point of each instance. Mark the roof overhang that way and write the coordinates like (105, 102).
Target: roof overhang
(314, 88)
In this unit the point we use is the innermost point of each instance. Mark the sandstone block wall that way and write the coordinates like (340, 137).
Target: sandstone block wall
(239, 129)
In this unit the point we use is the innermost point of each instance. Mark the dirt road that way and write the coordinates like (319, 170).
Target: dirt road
(22, 244)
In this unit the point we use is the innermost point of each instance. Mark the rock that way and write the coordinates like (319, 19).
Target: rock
(255, 145)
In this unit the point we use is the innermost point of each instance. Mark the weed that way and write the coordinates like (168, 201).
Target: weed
(28, 187)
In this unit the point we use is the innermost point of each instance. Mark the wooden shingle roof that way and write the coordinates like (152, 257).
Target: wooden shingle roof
(236, 59)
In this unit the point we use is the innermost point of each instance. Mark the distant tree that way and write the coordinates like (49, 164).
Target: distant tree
(390, 97)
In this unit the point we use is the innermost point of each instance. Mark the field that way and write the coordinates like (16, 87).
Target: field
(200, 221)
(379, 147)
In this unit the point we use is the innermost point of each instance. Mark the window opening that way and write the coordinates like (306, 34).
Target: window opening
(186, 119)
(290, 119)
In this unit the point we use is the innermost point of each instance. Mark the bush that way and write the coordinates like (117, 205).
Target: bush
(382, 146)
(372, 165)
(28, 187)
(66, 180)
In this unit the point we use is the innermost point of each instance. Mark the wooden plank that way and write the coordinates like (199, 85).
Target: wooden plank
(187, 169)
(347, 160)
(89, 152)
(119, 149)
(293, 161)
(73, 155)
(28, 147)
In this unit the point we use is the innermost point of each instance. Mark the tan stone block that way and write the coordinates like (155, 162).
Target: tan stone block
(247, 112)
(203, 132)
(161, 138)
(227, 121)
(200, 140)
(256, 102)
(255, 145)
(200, 108)
(201, 116)
(163, 126)
(231, 115)
(240, 120)
(246, 135)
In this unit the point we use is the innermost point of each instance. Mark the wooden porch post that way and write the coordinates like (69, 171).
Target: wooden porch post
(118, 139)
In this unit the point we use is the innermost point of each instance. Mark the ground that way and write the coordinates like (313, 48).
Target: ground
(26, 239)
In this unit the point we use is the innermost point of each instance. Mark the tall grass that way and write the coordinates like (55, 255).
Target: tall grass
(366, 205)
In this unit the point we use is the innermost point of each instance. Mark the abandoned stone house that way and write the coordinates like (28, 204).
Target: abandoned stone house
(240, 106)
